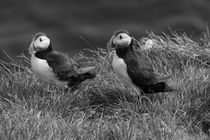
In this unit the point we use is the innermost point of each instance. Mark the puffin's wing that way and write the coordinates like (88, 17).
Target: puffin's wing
(58, 59)
(142, 74)
(64, 68)
(140, 67)
(55, 57)
(61, 65)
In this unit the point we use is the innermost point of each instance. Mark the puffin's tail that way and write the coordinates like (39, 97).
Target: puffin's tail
(82, 75)
(86, 73)
(158, 87)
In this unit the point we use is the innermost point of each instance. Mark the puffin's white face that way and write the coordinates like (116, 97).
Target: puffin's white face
(122, 39)
(39, 44)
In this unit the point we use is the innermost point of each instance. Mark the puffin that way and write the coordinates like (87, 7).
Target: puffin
(134, 66)
(51, 65)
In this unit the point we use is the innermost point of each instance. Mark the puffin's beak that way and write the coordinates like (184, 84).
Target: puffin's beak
(110, 45)
(111, 48)
(31, 48)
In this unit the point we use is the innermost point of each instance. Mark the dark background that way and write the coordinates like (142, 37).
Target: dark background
(67, 21)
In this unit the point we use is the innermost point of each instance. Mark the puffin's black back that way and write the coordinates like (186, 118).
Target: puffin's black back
(67, 70)
(140, 69)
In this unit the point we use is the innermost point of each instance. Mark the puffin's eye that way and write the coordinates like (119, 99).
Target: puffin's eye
(40, 39)
(120, 37)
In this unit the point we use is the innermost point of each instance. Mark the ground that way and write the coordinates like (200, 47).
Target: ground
(106, 108)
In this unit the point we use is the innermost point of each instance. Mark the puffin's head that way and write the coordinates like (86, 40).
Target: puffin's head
(40, 42)
(120, 39)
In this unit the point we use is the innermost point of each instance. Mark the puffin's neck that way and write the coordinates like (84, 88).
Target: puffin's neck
(122, 51)
(42, 54)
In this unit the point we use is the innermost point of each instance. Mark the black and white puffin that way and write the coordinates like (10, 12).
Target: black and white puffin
(132, 66)
(52, 65)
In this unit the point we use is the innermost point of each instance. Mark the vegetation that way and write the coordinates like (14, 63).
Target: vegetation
(105, 108)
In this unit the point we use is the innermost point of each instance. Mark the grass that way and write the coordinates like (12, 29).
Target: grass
(107, 109)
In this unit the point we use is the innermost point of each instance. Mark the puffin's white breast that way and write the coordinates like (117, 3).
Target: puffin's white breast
(120, 68)
(41, 68)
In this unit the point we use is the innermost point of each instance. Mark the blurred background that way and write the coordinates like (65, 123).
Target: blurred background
(70, 22)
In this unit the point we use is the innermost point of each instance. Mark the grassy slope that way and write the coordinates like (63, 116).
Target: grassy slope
(105, 108)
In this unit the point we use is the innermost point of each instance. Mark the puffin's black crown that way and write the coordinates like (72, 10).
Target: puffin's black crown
(35, 36)
(121, 31)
